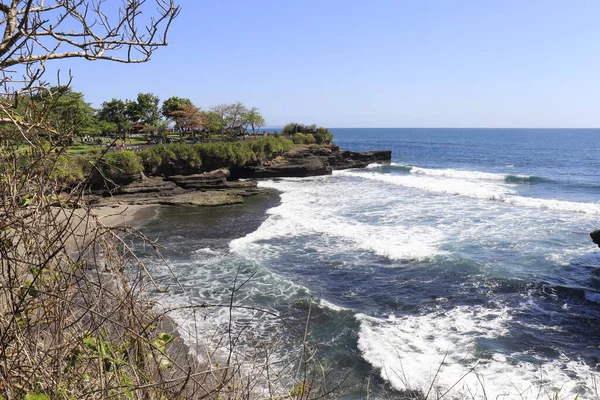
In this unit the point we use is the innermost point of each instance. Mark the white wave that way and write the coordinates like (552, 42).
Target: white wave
(451, 173)
(327, 304)
(439, 350)
(207, 251)
(461, 174)
(299, 215)
(555, 205)
(478, 190)
(374, 166)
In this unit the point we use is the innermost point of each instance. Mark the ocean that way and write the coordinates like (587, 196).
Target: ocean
(463, 269)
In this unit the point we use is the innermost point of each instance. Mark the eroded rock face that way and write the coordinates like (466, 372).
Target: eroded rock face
(344, 159)
(208, 180)
(284, 167)
(223, 186)
(312, 161)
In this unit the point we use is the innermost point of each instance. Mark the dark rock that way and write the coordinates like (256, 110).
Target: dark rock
(223, 186)
(344, 159)
(214, 180)
(596, 237)
(154, 186)
(312, 161)
(294, 167)
(208, 180)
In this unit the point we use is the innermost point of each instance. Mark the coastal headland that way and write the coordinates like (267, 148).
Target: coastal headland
(230, 185)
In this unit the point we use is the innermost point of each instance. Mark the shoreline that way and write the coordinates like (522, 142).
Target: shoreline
(210, 224)
(232, 184)
(131, 215)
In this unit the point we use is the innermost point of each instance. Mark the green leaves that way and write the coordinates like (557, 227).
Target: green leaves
(161, 341)
(35, 396)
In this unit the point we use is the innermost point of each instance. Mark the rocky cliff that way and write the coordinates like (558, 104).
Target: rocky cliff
(223, 186)
(312, 161)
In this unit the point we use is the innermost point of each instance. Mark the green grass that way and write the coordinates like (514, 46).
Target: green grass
(84, 148)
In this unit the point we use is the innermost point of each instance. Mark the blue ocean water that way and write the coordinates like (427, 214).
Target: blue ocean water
(464, 267)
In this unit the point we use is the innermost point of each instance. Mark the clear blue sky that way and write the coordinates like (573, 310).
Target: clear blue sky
(378, 63)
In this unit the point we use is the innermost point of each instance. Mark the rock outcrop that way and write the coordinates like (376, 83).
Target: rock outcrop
(596, 237)
(312, 161)
(223, 186)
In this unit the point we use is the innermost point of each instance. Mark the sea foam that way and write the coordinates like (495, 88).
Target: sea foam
(306, 212)
(476, 189)
(441, 352)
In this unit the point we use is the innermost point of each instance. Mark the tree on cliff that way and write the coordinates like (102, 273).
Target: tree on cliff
(144, 109)
(255, 120)
(67, 111)
(188, 118)
(172, 104)
(234, 118)
(114, 112)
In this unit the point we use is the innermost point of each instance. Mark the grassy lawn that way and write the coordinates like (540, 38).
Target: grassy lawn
(84, 148)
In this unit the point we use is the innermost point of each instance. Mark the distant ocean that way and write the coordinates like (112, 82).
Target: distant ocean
(470, 254)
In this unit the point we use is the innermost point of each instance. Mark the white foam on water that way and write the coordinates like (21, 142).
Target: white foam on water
(327, 304)
(452, 173)
(462, 174)
(206, 251)
(312, 210)
(207, 284)
(477, 189)
(439, 350)
(554, 205)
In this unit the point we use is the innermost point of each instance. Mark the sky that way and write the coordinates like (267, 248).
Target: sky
(376, 63)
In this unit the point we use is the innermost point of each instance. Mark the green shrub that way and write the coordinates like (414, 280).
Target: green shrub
(177, 158)
(301, 138)
(310, 139)
(171, 159)
(323, 136)
(298, 138)
(121, 166)
(68, 170)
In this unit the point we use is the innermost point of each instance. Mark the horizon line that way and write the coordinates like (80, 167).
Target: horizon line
(443, 127)
(454, 127)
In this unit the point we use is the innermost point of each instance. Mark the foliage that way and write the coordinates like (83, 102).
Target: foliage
(300, 132)
(301, 138)
(255, 120)
(144, 109)
(213, 121)
(187, 117)
(121, 166)
(170, 159)
(68, 170)
(113, 112)
(294, 127)
(234, 118)
(323, 136)
(172, 104)
(68, 113)
(176, 158)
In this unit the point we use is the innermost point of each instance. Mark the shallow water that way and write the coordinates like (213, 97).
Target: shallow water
(466, 263)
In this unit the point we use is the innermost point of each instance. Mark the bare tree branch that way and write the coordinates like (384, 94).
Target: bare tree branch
(33, 31)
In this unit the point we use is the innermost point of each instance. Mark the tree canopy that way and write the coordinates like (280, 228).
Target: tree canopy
(173, 104)
(114, 112)
(144, 109)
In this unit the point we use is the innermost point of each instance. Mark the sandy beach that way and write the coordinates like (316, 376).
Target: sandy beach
(124, 215)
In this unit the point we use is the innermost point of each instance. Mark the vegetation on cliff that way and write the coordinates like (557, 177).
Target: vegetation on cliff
(75, 319)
